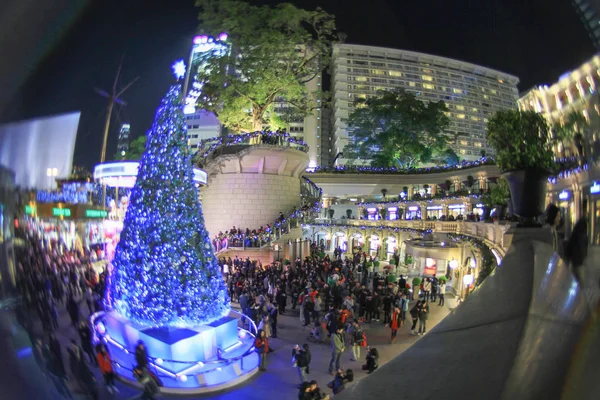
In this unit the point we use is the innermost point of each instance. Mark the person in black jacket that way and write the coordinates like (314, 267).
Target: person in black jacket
(414, 314)
(85, 334)
(141, 355)
(372, 360)
(303, 359)
(338, 384)
(85, 378)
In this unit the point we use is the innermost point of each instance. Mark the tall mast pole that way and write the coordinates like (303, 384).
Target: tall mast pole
(113, 97)
(111, 103)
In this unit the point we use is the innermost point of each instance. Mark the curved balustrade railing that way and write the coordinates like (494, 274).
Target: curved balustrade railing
(155, 363)
(212, 148)
(492, 234)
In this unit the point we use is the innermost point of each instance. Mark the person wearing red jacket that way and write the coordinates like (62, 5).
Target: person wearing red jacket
(105, 364)
(394, 323)
(261, 345)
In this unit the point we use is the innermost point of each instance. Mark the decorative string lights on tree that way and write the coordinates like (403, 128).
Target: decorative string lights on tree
(208, 146)
(165, 271)
(421, 232)
(358, 169)
(428, 200)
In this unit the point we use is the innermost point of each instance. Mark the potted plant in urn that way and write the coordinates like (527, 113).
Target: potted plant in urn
(500, 197)
(383, 212)
(524, 155)
(416, 282)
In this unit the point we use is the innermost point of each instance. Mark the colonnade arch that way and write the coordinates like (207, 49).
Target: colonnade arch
(389, 240)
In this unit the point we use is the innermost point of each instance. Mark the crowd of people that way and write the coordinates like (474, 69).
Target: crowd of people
(336, 297)
(52, 278)
(243, 238)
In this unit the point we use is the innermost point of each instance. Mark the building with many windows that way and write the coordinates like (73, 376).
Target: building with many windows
(202, 125)
(575, 91)
(589, 12)
(472, 92)
(123, 142)
(575, 192)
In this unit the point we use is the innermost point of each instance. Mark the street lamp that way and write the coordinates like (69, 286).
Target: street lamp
(200, 43)
(50, 173)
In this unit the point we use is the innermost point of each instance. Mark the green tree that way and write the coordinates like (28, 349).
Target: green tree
(449, 157)
(521, 140)
(80, 173)
(396, 129)
(274, 53)
(572, 133)
(135, 151)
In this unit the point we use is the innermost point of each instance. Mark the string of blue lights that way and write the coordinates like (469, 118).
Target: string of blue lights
(165, 271)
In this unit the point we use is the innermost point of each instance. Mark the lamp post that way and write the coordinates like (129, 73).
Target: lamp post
(52, 173)
(199, 44)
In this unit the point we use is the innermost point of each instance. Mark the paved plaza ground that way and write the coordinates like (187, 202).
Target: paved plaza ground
(281, 379)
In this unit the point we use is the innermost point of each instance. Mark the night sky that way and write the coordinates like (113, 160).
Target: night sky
(536, 40)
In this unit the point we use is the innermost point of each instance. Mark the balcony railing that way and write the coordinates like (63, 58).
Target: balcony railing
(311, 205)
(490, 233)
(210, 149)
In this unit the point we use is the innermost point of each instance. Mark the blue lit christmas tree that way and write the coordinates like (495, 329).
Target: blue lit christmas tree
(165, 271)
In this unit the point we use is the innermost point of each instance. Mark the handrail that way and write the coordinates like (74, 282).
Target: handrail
(366, 169)
(211, 148)
(311, 196)
(157, 362)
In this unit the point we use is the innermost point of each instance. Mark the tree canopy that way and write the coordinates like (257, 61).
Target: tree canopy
(135, 151)
(521, 139)
(572, 132)
(396, 129)
(274, 52)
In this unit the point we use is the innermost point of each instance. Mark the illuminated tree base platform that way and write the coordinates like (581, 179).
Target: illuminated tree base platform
(188, 361)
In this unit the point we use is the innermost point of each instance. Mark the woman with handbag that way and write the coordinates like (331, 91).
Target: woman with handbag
(261, 344)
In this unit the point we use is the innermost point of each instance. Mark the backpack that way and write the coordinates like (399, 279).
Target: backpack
(358, 336)
(310, 305)
(301, 299)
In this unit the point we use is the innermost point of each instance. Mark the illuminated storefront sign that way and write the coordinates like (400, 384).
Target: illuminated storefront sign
(595, 189)
(564, 195)
(456, 206)
(96, 213)
(30, 210)
(435, 207)
(61, 212)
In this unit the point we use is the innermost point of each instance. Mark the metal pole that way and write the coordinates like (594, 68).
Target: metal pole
(111, 103)
(187, 74)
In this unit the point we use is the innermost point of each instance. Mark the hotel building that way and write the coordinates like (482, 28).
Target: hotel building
(472, 93)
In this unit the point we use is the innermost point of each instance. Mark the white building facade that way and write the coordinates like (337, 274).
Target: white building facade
(471, 92)
(202, 125)
(575, 91)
